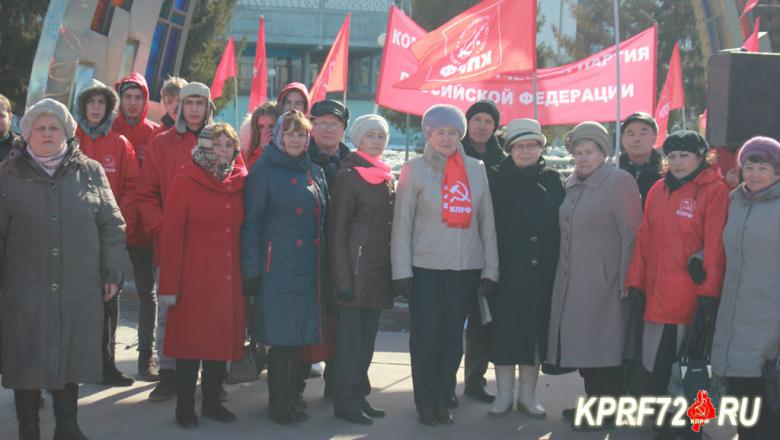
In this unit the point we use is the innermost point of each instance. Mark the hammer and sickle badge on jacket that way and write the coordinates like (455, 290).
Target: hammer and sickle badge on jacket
(687, 207)
(701, 411)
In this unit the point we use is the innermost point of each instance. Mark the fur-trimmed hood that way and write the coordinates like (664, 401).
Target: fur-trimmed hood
(92, 88)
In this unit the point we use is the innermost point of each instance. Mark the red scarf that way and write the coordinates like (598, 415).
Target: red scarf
(378, 173)
(455, 194)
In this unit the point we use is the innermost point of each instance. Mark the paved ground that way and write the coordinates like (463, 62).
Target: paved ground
(124, 413)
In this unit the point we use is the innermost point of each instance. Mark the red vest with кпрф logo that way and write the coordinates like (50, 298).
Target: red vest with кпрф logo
(675, 226)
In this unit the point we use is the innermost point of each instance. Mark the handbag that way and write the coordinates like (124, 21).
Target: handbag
(245, 369)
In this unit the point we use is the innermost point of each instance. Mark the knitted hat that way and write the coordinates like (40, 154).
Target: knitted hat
(642, 117)
(485, 106)
(763, 147)
(330, 107)
(127, 85)
(194, 89)
(686, 140)
(520, 129)
(48, 106)
(592, 131)
(443, 115)
(363, 124)
(92, 88)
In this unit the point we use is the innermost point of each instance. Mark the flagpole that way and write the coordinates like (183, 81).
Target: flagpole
(235, 98)
(616, 8)
(683, 116)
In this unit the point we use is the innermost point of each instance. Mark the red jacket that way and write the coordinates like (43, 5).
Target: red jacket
(115, 153)
(674, 227)
(167, 153)
(139, 136)
(201, 265)
(251, 160)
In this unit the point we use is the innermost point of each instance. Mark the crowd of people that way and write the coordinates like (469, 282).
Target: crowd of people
(280, 231)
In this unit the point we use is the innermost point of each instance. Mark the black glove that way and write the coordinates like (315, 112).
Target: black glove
(346, 295)
(403, 287)
(488, 286)
(696, 270)
(637, 299)
(251, 285)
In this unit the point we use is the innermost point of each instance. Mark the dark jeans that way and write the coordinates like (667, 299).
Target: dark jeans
(110, 318)
(141, 259)
(662, 373)
(438, 305)
(357, 329)
(476, 348)
(768, 425)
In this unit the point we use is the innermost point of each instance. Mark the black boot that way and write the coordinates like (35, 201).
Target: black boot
(279, 397)
(166, 388)
(65, 404)
(297, 404)
(27, 404)
(213, 375)
(185, 378)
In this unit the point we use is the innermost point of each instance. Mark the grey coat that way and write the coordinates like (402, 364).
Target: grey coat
(598, 220)
(747, 330)
(61, 238)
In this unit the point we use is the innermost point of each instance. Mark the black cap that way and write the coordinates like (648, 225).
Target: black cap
(686, 140)
(642, 117)
(484, 106)
(330, 107)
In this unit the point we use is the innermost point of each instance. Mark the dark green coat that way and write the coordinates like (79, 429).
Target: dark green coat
(61, 239)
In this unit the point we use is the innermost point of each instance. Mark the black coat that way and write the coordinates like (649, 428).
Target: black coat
(6, 144)
(526, 204)
(493, 154)
(646, 174)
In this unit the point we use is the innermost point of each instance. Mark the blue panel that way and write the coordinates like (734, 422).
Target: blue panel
(182, 5)
(171, 50)
(155, 50)
(178, 18)
(165, 9)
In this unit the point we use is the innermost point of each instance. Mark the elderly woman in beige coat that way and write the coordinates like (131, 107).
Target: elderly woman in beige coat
(62, 245)
(598, 220)
(443, 247)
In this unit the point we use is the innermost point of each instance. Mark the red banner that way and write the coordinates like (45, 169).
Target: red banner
(333, 73)
(569, 94)
(672, 95)
(491, 37)
(258, 94)
(751, 44)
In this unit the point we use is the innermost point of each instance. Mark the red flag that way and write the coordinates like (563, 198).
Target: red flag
(751, 4)
(333, 73)
(672, 95)
(751, 44)
(226, 69)
(703, 123)
(258, 95)
(488, 39)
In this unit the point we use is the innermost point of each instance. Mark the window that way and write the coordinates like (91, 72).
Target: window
(166, 44)
(84, 73)
(104, 14)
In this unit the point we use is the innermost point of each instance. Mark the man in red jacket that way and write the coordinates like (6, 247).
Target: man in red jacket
(131, 122)
(166, 154)
(169, 95)
(95, 111)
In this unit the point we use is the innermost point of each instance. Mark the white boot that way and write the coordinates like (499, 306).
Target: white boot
(526, 397)
(505, 384)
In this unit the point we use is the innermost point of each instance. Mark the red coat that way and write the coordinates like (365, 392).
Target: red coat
(674, 227)
(251, 160)
(115, 153)
(139, 136)
(167, 153)
(201, 265)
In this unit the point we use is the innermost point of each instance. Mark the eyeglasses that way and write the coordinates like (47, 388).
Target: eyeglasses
(322, 125)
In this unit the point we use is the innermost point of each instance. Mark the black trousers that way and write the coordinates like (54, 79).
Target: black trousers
(110, 320)
(476, 362)
(187, 378)
(438, 305)
(142, 260)
(357, 329)
(666, 356)
(603, 381)
(768, 426)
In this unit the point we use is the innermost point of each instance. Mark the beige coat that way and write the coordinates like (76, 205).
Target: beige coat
(420, 239)
(598, 219)
(61, 238)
